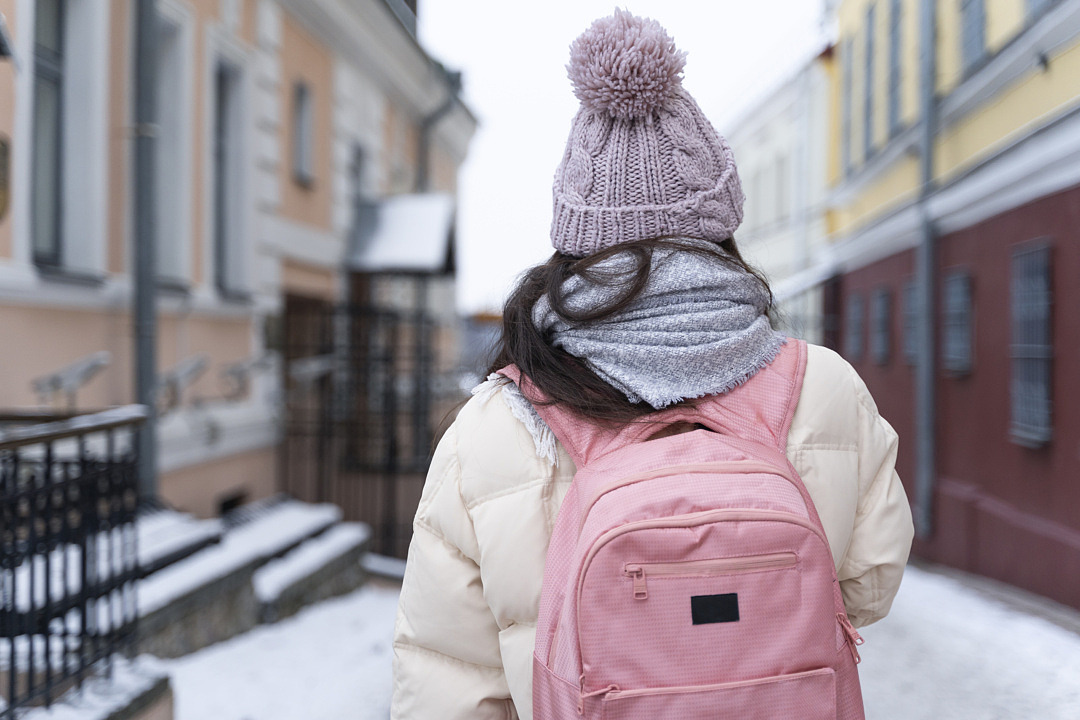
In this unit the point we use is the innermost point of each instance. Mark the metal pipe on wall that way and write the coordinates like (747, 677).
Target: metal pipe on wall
(925, 279)
(144, 305)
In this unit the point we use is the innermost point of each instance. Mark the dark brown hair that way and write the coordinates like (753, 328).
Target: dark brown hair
(561, 377)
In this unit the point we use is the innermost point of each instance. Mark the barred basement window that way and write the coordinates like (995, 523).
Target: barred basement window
(1032, 348)
(881, 321)
(854, 321)
(911, 324)
(957, 341)
(973, 32)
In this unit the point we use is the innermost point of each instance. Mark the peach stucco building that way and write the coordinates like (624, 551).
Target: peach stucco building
(276, 118)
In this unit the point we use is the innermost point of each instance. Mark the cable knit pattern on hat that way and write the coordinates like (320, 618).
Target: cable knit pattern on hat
(642, 160)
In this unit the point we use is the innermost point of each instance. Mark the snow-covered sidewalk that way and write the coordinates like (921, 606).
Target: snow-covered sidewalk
(946, 652)
(329, 662)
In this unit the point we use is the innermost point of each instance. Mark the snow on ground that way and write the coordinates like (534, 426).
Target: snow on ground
(947, 652)
(331, 661)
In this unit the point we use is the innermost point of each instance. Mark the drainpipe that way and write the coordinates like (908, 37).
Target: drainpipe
(144, 278)
(925, 279)
(427, 127)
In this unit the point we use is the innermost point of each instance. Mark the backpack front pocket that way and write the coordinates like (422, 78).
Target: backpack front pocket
(807, 695)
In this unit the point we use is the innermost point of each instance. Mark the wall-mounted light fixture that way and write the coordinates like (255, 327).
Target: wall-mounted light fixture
(7, 48)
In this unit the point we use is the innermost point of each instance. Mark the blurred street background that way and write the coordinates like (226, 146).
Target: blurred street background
(253, 253)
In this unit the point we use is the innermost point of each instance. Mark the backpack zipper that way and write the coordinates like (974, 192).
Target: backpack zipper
(705, 568)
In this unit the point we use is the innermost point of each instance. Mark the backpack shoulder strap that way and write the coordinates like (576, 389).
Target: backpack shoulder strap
(583, 440)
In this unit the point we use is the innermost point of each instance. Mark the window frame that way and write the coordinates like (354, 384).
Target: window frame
(911, 322)
(881, 325)
(854, 340)
(957, 322)
(847, 111)
(303, 135)
(48, 67)
(870, 81)
(1031, 418)
(972, 34)
(896, 35)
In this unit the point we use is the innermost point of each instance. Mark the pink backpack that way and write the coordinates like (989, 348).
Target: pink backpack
(689, 576)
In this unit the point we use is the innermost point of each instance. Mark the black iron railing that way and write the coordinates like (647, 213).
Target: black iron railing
(68, 555)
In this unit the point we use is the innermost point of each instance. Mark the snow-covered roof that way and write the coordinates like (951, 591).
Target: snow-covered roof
(405, 233)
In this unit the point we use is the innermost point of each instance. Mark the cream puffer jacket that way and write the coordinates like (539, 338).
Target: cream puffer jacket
(467, 617)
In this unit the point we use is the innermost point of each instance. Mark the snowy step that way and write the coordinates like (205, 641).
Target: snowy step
(323, 567)
(209, 596)
(167, 536)
(249, 545)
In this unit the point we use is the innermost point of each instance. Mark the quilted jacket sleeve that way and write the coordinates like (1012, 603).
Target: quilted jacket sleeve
(871, 571)
(447, 663)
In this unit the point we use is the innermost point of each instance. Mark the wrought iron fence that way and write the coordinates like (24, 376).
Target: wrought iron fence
(365, 392)
(68, 556)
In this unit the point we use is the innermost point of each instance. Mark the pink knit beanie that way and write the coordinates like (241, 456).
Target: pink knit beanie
(642, 160)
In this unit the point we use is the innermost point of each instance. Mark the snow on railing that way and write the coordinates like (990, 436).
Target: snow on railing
(68, 549)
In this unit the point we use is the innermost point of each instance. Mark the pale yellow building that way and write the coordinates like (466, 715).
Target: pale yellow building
(276, 118)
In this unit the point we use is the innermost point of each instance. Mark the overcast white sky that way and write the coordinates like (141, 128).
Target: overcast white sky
(513, 55)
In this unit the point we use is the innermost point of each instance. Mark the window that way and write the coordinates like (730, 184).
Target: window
(303, 135)
(1036, 7)
(870, 81)
(881, 322)
(956, 305)
(783, 183)
(895, 36)
(47, 181)
(911, 324)
(1032, 349)
(172, 155)
(845, 120)
(228, 240)
(853, 328)
(973, 32)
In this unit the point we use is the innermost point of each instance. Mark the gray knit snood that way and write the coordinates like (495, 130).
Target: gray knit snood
(699, 328)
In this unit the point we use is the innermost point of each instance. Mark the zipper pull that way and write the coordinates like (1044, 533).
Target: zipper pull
(641, 591)
(853, 637)
(582, 695)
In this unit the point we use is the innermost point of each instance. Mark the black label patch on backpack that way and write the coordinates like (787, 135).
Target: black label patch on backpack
(708, 609)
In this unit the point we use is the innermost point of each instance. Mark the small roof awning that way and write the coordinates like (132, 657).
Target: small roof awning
(405, 234)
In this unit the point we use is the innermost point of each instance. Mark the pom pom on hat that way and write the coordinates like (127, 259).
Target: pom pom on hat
(626, 66)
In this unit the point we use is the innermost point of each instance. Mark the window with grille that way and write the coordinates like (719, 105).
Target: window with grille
(895, 35)
(845, 120)
(868, 84)
(880, 324)
(46, 151)
(957, 341)
(911, 323)
(1032, 348)
(854, 322)
(973, 32)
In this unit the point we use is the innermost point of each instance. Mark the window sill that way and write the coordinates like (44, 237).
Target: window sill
(1029, 436)
(65, 276)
